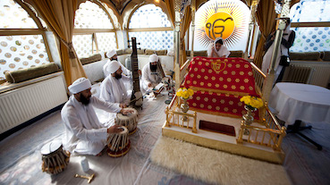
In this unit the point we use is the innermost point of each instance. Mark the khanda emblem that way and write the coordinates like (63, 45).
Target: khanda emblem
(218, 66)
(219, 25)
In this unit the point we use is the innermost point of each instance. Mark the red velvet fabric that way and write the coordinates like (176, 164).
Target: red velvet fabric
(219, 83)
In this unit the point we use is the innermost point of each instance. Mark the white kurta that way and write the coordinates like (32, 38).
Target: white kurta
(114, 91)
(128, 83)
(150, 77)
(222, 51)
(283, 51)
(84, 133)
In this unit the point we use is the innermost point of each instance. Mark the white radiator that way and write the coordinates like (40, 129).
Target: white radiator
(24, 103)
(298, 74)
(320, 71)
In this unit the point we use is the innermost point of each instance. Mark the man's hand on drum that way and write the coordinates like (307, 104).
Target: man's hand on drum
(122, 105)
(114, 129)
(126, 111)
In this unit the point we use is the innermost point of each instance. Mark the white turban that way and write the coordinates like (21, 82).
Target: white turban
(111, 53)
(113, 67)
(153, 58)
(80, 85)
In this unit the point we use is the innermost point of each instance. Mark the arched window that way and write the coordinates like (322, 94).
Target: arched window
(93, 31)
(311, 21)
(151, 27)
(22, 39)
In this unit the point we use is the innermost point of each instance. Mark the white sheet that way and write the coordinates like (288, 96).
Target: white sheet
(294, 101)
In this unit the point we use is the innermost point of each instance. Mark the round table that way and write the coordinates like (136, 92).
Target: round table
(296, 102)
(305, 102)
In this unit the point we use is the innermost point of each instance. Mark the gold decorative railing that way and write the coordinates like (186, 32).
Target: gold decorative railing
(270, 135)
(259, 77)
(174, 115)
(184, 70)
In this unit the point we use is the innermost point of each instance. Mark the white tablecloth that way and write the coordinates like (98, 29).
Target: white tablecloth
(294, 101)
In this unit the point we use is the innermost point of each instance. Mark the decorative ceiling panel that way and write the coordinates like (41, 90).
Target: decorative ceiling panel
(120, 4)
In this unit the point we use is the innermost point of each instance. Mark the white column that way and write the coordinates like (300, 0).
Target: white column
(122, 39)
(177, 44)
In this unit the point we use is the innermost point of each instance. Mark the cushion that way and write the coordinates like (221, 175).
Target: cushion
(91, 59)
(141, 51)
(128, 51)
(197, 53)
(236, 54)
(30, 73)
(305, 56)
(326, 56)
(150, 51)
(161, 52)
(120, 52)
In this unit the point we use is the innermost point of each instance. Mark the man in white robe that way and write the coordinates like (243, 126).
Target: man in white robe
(151, 74)
(113, 89)
(282, 55)
(84, 134)
(218, 50)
(112, 55)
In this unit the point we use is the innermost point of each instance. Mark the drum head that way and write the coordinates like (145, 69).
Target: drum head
(128, 116)
(51, 147)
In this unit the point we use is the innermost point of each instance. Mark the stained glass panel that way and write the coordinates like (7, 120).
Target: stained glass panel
(90, 15)
(154, 40)
(83, 45)
(149, 16)
(312, 38)
(13, 15)
(19, 52)
(106, 41)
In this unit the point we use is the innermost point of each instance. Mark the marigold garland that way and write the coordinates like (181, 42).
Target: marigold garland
(185, 93)
(252, 101)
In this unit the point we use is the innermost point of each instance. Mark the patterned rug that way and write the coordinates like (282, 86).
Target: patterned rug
(214, 166)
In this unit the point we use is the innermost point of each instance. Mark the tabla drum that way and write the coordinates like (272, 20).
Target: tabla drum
(118, 143)
(129, 120)
(54, 158)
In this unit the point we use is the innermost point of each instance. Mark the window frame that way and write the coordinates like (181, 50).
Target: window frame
(92, 31)
(309, 24)
(145, 29)
(28, 31)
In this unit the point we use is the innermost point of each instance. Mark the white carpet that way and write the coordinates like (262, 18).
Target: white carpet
(214, 166)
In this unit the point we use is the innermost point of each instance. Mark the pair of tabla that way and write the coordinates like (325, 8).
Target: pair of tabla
(119, 143)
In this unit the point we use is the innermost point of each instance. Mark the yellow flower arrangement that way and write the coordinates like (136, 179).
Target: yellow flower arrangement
(252, 102)
(185, 93)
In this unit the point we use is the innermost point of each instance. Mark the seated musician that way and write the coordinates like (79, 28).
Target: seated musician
(112, 88)
(218, 50)
(152, 74)
(112, 55)
(84, 134)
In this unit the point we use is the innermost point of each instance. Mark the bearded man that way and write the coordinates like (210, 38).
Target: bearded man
(151, 74)
(84, 134)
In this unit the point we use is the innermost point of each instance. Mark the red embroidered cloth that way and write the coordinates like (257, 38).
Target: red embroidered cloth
(219, 83)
